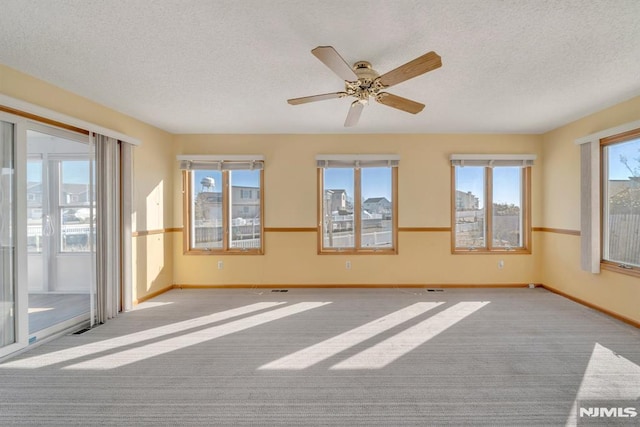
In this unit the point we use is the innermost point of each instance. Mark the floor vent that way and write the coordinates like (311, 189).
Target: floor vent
(279, 290)
(435, 290)
(81, 331)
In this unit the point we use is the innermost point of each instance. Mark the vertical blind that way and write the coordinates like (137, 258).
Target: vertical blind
(108, 233)
(590, 207)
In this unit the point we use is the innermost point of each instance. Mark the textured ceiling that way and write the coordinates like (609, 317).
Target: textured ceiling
(188, 66)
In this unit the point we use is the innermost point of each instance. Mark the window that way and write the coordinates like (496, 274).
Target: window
(63, 189)
(220, 214)
(491, 207)
(75, 204)
(357, 204)
(620, 157)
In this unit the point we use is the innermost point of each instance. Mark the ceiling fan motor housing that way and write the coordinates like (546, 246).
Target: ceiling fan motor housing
(366, 86)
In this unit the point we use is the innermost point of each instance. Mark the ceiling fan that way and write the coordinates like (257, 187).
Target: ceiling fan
(363, 82)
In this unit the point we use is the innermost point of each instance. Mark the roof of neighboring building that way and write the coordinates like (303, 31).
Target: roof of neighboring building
(210, 197)
(375, 199)
(68, 188)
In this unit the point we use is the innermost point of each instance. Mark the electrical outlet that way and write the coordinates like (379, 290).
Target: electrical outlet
(347, 265)
(220, 265)
(501, 264)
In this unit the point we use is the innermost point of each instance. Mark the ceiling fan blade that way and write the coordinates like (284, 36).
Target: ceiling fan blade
(332, 59)
(314, 98)
(399, 102)
(354, 114)
(427, 62)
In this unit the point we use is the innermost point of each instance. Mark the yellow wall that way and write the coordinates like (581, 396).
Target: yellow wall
(153, 164)
(424, 193)
(560, 253)
(290, 194)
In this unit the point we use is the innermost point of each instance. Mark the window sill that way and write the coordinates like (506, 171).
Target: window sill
(219, 252)
(358, 252)
(609, 266)
(491, 252)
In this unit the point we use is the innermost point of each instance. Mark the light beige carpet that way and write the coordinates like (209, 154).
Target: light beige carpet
(330, 357)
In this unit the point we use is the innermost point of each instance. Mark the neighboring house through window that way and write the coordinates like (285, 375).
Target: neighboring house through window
(357, 203)
(491, 203)
(223, 204)
(71, 210)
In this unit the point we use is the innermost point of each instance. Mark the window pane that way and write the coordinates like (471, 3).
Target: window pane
(74, 183)
(75, 197)
(34, 206)
(337, 208)
(377, 208)
(76, 230)
(206, 210)
(507, 207)
(244, 203)
(470, 207)
(622, 210)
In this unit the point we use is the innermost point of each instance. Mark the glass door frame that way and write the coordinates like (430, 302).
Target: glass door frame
(52, 163)
(21, 288)
(21, 295)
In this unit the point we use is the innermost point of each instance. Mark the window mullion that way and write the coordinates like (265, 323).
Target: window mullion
(357, 209)
(53, 210)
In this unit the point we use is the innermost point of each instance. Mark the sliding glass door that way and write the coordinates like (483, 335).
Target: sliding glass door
(61, 219)
(62, 214)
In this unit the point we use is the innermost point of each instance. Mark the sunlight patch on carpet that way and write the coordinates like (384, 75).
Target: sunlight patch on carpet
(391, 349)
(67, 355)
(149, 304)
(608, 377)
(39, 309)
(316, 353)
(137, 354)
